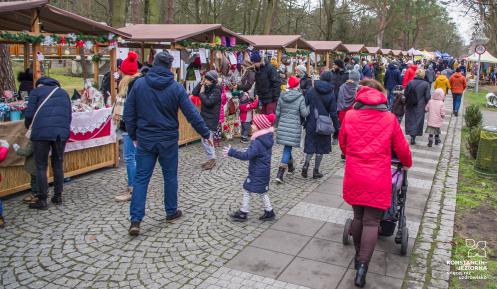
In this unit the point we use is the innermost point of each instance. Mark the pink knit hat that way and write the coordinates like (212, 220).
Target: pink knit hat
(263, 121)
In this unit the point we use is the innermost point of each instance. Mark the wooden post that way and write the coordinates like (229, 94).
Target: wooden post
(280, 54)
(142, 52)
(174, 70)
(113, 94)
(308, 66)
(96, 65)
(26, 56)
(316, 63)
(35, 28)
(212, 53)
(328, 60)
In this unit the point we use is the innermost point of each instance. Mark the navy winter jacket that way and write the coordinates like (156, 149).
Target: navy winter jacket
(259, 156)
(151, 109)
(267, 84)
(53, 121)
(392, 77)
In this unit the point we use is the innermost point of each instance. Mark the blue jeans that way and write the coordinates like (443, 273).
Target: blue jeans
(145, 164)
(390, 98)
(210, 150)
(287, 155)
(129, 151)
(456, 103)
(1, 208)
(245, 129)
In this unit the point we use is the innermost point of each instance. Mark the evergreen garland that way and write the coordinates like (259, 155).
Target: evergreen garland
(298, 53)
(29, 38)
(196, 45)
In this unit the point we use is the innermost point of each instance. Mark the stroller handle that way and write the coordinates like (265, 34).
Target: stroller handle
(396, 162)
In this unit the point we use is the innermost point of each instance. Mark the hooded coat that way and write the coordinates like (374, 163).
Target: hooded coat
(53, 120)
(367, 138)
(436, 110)
(267, 84)
(415, 114)
(346, 98)
(259, 156)
(442, 82)
(210, 107)
(151, 110)
(337, 79)
(457, 83)
(410, 73)
(392, 77)
(430, 74)
(321, 97)
(305, 84)
(291, 108)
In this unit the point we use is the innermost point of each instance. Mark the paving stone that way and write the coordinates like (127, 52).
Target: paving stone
(298, 225)
(280, 241)
(312, 274)
(260, 262)
(328, 252)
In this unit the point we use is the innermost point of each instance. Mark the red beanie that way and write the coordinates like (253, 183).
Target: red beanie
(293, 82)
(263, 121)
(129, 66)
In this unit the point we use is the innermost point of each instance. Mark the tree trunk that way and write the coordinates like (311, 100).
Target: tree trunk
(170, 12)
(117, 13)
(268, 20)
(257, 16)
(135, 11)
(153, 11)
(382, 25)
(197, 12)
(275, 15)
(7, 81)
(84, 68)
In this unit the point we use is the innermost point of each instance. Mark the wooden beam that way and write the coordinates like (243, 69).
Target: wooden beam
(308, 66)
(35, 28)
(212, 53)
(113, 69)
(26, 56)
(142, 52)
(328, 60)
(316, 63)
(280, 53)
(96, 65)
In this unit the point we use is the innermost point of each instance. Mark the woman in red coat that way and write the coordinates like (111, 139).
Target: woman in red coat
(367, 136)
(410, 73)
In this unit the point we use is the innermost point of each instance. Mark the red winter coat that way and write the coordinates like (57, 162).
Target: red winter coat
(367, 137)
(247, 110)
(410, 74)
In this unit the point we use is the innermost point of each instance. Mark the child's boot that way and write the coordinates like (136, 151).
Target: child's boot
(437, 140)
(291, 168)
(268, 216)
(239, 216)
(281, 172)
(430, 141)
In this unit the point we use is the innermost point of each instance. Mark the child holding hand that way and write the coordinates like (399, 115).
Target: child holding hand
(436, 114)
(259, 156)
(247, 107)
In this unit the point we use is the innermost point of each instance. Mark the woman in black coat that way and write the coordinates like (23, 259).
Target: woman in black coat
(305, 80)
(418, 93)
(322, 98)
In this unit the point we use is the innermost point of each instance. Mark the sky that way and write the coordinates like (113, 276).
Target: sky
(464, 22)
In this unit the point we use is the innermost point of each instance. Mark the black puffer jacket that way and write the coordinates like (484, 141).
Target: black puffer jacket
(53, 121)
(337, 79)
(305, 84)
(211, 104)
(267, 84)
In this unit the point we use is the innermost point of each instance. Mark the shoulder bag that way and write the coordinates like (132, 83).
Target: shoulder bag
(324, 124)
(28, 133)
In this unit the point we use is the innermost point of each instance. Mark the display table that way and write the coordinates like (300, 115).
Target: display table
(92, 145)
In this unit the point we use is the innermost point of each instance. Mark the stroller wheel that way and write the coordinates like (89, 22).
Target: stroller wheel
(405, 241)
(346, 232)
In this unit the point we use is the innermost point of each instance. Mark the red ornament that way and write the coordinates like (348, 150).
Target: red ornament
(80, 43)
(226, 127)
(63, 40)
(236, 124)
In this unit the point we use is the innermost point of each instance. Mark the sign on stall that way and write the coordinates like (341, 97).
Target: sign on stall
(177, 58)
(203, 55)
(122, 52)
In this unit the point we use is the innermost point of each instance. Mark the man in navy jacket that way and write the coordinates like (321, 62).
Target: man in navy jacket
(392, 78)
(151, 118)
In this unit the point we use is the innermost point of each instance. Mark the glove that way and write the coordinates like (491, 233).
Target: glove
(4, 143)
(226, 151)
(16, 147)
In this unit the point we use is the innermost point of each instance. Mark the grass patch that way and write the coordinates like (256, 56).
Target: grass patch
(477, 98)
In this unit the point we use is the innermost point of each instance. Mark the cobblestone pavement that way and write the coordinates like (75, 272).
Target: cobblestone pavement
(84, 243)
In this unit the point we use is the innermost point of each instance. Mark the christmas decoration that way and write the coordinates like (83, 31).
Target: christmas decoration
(196, 45)
(70, 39)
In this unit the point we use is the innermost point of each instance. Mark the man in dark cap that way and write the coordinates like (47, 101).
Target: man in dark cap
(339, 76)
(151, 118)
(267, 83)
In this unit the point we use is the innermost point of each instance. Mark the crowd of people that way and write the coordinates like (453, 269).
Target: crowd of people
(346, 105)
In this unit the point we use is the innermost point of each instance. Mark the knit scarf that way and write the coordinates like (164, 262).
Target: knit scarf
(117, 114)
(346, 95)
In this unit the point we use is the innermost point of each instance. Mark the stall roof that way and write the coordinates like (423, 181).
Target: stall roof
(396, 52)
(17, 16)
(386, 51)
(355, 48)
(278, 41)
(178, 32)
(326, 46)
(373, 50)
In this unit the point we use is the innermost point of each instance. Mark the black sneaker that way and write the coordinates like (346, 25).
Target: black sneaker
(175, 216)
(57, 200)
(239, 216)
(316, 174)
(39, 205)
(268, 216)
(134, 229)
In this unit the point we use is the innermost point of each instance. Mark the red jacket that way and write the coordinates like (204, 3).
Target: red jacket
(247, 110)
(410, 74)
(367, 137)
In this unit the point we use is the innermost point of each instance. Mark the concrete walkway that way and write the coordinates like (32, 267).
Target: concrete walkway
(304, 249)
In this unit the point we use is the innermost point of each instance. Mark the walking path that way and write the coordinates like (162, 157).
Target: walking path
(84, 242)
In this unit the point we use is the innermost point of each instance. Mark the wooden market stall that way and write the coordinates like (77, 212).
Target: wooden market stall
(326, 48)
(44, 21)
(376, 51)
(355, 49)
(181, 37)
(283, 44)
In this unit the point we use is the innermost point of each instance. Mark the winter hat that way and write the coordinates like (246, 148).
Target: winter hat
(212, 75)
(438, 94)
(263, 121)
(129, 66)
(293, 82)
(163, 58)
(302, 69)
(255, 57)
(326, 76)
(354, 76)
(339, 63)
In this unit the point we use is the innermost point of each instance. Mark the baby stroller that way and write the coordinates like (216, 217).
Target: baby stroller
(395, 214)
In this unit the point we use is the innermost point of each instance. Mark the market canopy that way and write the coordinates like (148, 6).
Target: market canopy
(485, 58)
(355, 48)
(427, 54)
(373, 50)
(173, 33)
(386, 51)
(396, 52)
(278, 41)
(414, 52)
(326, 46)
(18, 16)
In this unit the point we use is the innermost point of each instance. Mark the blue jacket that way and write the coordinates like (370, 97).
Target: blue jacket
(151, 109)
(259, 156)
(53, 121)
(367, 71)
(392, 77)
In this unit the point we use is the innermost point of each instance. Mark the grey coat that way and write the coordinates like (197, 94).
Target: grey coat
(291, 108)
(415, 115)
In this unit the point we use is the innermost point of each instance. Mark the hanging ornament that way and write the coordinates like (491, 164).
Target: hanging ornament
(88, 44)
(63, 41)
(80, 43)
(48, 41)
(71, 37)
(112, 44)
(111, 36)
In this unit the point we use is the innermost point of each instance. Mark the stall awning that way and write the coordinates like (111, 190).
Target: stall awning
(373, 50)
(327, 46)
(178, 32)
(485, 58)
(355, 48)
(396, 52)
(386, 51)
(278, 41)
(17, 16)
